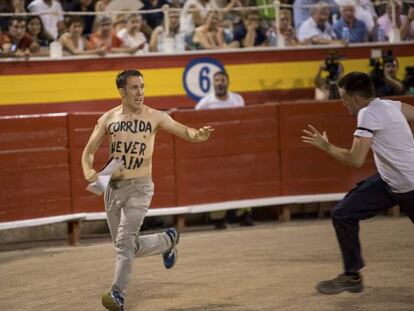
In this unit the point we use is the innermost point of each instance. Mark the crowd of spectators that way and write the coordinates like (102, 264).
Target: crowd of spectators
(193, 24)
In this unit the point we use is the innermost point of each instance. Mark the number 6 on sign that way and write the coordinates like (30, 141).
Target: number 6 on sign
(198, 76)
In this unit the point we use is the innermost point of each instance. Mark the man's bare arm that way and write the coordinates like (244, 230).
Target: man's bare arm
(187, 133)
(355, 156)
(89, 152)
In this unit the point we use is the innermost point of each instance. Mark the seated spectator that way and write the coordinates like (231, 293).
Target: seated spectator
(131, 36)
(348, 27)
(10, 6)
(174, 41)
(16, 42)
(105, 37)
(301, 12)
(385, 21)
(286, 31)
(84, 6)
(250, 33)
(211, 35)
(34, 28)
(407, 28)
(73, 42)
(316, 29)
(53, 22)
(194, 14)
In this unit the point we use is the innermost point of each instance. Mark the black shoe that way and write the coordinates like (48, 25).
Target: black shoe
(340, 284)
(247, 220)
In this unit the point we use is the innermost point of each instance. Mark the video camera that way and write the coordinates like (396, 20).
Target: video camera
(333, 66)
(377, 60)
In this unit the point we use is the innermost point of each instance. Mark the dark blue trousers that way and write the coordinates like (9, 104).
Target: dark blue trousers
(367, 199)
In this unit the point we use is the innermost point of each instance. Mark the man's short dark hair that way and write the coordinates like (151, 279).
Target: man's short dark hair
(357, 83)
(221, 72)
(122, 77)
(19, 19)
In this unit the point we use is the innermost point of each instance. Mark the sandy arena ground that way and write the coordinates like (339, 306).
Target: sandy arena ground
(267, 267)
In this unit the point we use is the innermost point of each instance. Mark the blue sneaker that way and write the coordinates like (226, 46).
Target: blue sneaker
(113, 301)
(170, 256)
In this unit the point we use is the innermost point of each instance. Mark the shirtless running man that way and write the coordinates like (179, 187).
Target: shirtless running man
(131, 128)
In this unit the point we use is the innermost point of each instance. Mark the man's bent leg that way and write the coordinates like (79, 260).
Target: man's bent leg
(363, 202)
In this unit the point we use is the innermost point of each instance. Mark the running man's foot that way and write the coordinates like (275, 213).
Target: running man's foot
(170, 256)
(113, 301)
(340, 284)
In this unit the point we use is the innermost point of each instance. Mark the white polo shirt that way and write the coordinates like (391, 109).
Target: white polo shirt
(310, 29)
(212, 102)
(392, 142)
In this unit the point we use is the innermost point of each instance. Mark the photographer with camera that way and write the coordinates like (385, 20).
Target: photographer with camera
(384, 75)
(326, 88)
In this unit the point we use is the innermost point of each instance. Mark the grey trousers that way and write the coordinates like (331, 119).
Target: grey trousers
(126, 204)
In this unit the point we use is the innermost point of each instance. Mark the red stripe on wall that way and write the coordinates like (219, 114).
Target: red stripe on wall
(159, 61)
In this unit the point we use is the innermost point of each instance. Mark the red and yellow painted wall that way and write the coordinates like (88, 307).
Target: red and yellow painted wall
(88, 84)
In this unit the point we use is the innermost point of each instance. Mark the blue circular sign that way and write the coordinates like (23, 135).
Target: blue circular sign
(198, 76)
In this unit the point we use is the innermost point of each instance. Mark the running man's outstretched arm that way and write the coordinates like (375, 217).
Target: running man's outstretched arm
(354, 157)
(89, 152)
(187, 133)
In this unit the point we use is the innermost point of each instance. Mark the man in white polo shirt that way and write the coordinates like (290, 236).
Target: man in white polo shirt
(223, 98)
(383, 127)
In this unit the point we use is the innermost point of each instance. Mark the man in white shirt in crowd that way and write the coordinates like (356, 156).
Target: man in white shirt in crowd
(316, 29)
(52, 22)
(222, 98)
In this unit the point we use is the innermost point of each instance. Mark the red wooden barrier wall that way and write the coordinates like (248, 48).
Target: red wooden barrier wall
(240, 161)
(34, 167)
(254, 152)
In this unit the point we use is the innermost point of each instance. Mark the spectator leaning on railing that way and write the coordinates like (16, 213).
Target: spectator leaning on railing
(132, 36)
(34, 28)
(74, 43)
(16, 42)
(53, 20)
(316, 29)
(211, 35)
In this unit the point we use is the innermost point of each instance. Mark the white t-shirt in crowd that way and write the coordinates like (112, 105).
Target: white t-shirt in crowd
(310, 29)
(392, 142)
(212, 102)
(132, 41)
(186, 17)
(49, 20)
